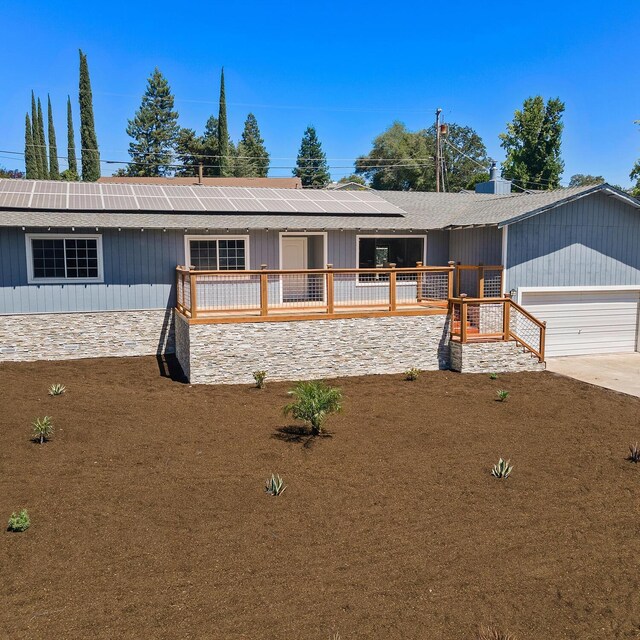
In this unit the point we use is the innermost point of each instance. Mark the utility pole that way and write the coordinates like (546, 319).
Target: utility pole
(437, 157)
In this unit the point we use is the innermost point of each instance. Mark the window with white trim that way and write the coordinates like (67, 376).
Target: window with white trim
(218, 254)
(57, 258)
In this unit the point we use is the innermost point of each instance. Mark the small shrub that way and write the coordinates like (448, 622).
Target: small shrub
(57, 389)
(502, 395)
(259, 377)
(42, 429)
(411, 374)
(314, 401)
(491, 633)
(275, 485)
(493, 376)
(634, 453)
(502, 469)
(19, 522)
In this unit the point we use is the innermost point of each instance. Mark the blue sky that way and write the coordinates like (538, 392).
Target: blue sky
(350, 69)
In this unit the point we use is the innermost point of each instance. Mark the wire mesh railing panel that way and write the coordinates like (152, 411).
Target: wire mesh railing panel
(298, 290)
(186, 291)
(434, 285)
(354, 290)
(524, 329)
(490, 319)
(228, 292)
(492, 283)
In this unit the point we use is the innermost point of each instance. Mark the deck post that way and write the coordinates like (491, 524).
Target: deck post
(264, 292)
(330, 292)
(480, 280)
(452, 266)
(457, 293)
(463, 318)
(392, 287)
(506, 318)
(419, 282)
(193, 281)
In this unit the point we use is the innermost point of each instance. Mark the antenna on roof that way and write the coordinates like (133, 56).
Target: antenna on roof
(200, 173)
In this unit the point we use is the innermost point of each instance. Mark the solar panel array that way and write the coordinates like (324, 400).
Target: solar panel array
(81, 196)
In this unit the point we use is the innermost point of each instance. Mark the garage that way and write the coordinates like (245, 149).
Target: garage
(583, 322)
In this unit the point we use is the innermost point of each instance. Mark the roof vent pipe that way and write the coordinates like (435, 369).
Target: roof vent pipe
(493, 172)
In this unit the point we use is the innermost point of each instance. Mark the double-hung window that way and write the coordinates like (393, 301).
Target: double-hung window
(56, 258)
(209, 253)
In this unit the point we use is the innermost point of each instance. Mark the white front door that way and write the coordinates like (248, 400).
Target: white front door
(294, 256)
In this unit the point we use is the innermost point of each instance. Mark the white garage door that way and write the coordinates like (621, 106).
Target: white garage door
(586, 322)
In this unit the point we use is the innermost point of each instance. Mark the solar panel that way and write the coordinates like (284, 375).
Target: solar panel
(183, 191)
(149, 190)
(246, 204)
(154, 203)
(186, 204)
(362, 207)
(217, 204)
(16, 186)
(51, 187)
(307, 207)
(85, 202)
(235, 192)
(120, 203)
(84, 187)
(14, 199)
(117, 189)
(49, 201)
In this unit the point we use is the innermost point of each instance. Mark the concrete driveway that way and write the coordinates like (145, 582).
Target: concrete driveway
(618, 371)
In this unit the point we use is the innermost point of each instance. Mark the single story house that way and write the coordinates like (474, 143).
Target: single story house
(239, 277)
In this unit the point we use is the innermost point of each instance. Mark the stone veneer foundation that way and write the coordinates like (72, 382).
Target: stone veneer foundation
(305, 349)
(492, 357)
(66, 336)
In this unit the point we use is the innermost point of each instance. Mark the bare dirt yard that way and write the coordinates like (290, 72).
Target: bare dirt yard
(150, 520)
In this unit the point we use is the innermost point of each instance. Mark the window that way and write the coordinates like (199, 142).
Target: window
(56, 258)
(379, 252)
(205, 253)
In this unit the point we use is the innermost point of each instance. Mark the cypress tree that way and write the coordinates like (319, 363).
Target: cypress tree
(37, 143)
(43, 144)
(311, 165)
(71, 143)
(154, 130)
(54, 168)
(88, 140)
(29, 154)
(253, 157)
(224, 163)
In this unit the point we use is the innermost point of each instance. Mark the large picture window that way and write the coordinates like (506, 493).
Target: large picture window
(379, 252)
(206, 253)
(56, 258)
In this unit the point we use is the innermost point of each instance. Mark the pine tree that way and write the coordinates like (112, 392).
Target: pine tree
(154, 130)
(253, 157)
(72, 162)
(224, 163)
(532, 143)
(88, 140)
(29, 151)
(43, 144)
(37, 143)
(54, 168)
(311, 165)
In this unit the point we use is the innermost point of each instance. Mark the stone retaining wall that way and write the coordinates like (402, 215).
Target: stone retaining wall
(230, 353)
(492, 357)
(67, 336)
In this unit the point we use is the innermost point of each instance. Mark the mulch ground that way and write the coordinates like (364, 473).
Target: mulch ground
(149, 518)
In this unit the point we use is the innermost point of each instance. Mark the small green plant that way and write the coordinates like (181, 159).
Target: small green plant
(19, 522)
(275, 485)
(492, 633)
(42, 429)
(493, 376)
(502, 470)
(57, 389)
(314, 401)
(411, 374)
(259, 377)
(634, 453)
(502, 395)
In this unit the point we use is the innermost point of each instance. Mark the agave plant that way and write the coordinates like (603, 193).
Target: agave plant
(634, 453)
(412, 374)
(502, 470)
(57, 389)
(275, 485)
(19, 522)
(259, 377)
(491, 633)
(42, 429)
(493, 376)
(314, 401)
(502, 395)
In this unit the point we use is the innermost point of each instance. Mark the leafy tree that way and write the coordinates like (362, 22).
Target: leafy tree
(224, 162)
(584, 180)
(532, 143)
(154, 129)
(54, 168)
(313, 402)
(43, 144)
(192, 150)
(88, 140)
(37, 143)
(30, 159)
(404, 160)
(352, 178)
(13, 174)
(311, 165)
(253, 157)
(72, 171)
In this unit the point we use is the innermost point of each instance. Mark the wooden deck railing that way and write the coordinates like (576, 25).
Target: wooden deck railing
(497, 318)
(320, 293)
(479, 280)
